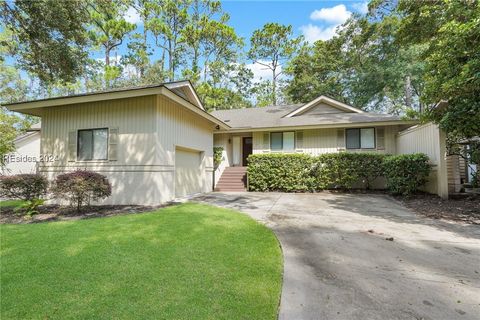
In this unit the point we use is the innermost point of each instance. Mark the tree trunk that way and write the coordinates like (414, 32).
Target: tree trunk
(107, 56)
(142, 66)
(274, 87)
(170, 61)
(408, 91)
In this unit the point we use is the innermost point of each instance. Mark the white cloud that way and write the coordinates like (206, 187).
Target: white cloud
(261, 72)
(132, 16)
(332, 18)
(314, 33)
(334, 15)
(360, 7)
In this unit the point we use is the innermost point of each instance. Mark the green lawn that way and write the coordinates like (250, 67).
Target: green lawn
(10, 203)
(190, 261)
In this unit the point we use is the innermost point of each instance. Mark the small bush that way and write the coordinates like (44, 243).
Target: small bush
(406, 173)
(81, 187)
(26, 187)
(280, 172)
(217, 156)
(30, 207)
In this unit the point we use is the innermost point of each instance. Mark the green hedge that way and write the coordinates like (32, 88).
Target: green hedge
(280, 172)
(344, 170)
(302, 172)
(406, 173)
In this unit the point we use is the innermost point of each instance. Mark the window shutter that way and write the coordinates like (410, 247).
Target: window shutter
(266, 141)
(113, 144)
(72, 145)
(340, 139)
(299, 142)
(381, 138)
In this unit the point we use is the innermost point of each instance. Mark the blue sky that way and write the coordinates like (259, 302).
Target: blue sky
(315, 20)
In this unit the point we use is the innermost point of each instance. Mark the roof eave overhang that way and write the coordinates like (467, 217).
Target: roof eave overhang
(322, 126)
(191, 91)
(32, 107)
(82, 99)
(187, 104)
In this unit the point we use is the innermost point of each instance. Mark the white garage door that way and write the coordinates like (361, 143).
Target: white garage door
(188, 173)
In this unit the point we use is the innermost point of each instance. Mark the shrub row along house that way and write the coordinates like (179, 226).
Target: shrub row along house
(155, 143)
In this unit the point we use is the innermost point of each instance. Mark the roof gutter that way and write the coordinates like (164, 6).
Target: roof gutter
(93, 97)
(321, 126)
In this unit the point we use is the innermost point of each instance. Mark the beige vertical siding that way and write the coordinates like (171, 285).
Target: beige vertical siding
(179, 127)
(223, 140)
(319, 141)
(134, 117)
(25, 157)
(150, 128)
(430, 140)
(420, 139)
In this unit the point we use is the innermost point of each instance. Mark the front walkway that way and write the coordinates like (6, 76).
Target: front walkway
(366, 257)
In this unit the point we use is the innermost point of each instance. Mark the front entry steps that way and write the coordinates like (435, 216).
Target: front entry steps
(233, 179)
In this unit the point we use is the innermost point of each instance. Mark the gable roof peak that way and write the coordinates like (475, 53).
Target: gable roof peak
(330, 101)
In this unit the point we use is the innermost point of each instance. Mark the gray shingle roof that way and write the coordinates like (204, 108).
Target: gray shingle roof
(268, 117)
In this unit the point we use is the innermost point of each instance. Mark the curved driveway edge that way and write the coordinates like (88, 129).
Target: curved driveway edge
(359, 256)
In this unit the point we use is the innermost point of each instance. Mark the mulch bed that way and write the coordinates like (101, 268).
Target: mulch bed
(62, 213)
(465, 210)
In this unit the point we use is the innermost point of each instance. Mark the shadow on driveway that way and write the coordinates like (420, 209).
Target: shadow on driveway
(338, 263)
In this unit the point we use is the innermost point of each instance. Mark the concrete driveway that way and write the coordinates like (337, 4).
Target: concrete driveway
(340, 265)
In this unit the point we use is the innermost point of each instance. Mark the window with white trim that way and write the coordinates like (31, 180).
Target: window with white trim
(360, 138)
(92, 144)
(282, 141)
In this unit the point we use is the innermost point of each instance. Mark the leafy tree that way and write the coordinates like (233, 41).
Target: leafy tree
(450, 31)
(317, 70)
(362, 66)
(109, 30)
(8, 135)
(270, 47)
(140, 51)
(11, 125)
(195, 31)
(137, 56)
(12, 87)
(169, 18)
(47, 36)
(220, 42)
(229, 86)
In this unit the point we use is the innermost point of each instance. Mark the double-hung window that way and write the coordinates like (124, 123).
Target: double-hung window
(92, 144)
(282, 141)
(363, 138)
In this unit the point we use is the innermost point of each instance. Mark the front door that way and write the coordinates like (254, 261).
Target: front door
(246, 150)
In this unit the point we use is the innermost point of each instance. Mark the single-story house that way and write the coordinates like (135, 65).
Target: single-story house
(27, 153)
(155, 143)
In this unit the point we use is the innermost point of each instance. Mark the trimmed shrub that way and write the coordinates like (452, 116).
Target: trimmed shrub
(406, 173)
(344, 170)
(280, 172)
(81, 187)
(302, 172)
(217, 156)
(369, 167)
(26, 187)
